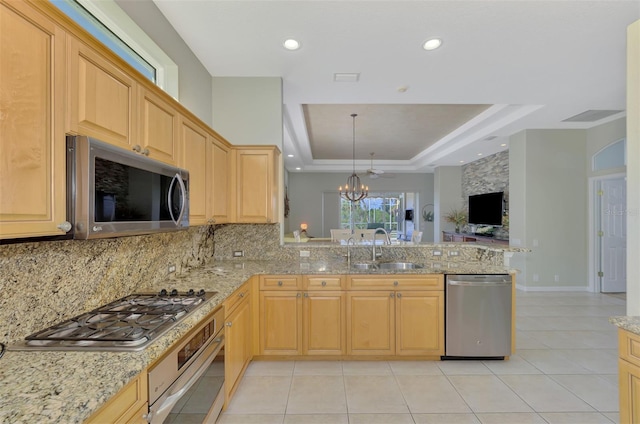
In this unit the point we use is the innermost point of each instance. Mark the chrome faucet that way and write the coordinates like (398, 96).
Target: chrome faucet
(387, 240)
(349, 250)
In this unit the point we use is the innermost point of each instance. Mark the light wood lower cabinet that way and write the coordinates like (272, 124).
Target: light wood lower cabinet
(32, 137)
(629, 376)
(319, 317)
(238, 337)
(130, 405)
(302, 321)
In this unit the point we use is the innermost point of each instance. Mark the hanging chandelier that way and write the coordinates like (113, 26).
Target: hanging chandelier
(354, 190)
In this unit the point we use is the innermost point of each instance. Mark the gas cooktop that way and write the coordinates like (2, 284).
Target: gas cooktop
(127, 324)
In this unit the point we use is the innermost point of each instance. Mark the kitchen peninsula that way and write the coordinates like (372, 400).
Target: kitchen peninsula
(45, 386)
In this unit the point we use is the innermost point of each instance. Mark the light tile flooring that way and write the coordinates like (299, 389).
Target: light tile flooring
(564, 371)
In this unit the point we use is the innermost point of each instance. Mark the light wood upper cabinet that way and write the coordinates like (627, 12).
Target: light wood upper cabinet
(32, 138)
(197, 157)
(101, 97)
(159, 128)
(222, 181)
(257, 184)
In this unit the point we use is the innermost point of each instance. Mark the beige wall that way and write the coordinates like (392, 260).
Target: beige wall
(248, 110)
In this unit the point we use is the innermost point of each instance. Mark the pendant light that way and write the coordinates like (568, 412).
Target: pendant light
(354, 190)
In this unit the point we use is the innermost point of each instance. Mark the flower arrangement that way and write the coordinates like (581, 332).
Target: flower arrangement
(458, 217)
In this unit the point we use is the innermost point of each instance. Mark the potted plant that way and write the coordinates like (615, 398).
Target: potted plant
(458, 217)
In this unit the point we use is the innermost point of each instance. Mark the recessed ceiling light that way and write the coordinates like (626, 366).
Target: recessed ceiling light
(432, 44)
(298, 168)
(289, 156)
(503, 145)
(461, 161)
(291, 44)
(479, 154)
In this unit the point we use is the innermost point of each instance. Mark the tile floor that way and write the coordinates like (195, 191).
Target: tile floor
(564, 371)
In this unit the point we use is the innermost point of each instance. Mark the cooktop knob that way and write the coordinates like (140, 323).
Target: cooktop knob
(163, 292)
(174, 292)
(191, 292)
(201, 292)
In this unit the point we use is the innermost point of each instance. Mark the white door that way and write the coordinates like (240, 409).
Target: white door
(613, 235)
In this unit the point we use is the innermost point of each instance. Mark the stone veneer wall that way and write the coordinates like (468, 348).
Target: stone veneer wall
(43, 283)
(486, 175)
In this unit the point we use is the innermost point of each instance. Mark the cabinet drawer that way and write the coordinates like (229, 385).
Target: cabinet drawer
(393, 282)
(236, 297)
(629, 346)
(275, 282)
(323, 282)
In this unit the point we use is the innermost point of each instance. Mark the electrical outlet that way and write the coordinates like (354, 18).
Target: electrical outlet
(437, 253)
(454, 253)
(172, 268)
(536, 277)
(556, 278)
(238, 253)
(305, 253)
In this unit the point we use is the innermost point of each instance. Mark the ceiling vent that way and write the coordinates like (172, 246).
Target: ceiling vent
(346, 77)
(592, 115)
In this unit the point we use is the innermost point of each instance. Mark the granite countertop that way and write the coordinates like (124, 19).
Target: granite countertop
(63, 386)
(629, 323)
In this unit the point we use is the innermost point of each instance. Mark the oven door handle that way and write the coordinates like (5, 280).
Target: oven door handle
(157, 415)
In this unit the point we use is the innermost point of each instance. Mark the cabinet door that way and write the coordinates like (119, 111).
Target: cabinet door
(370, 323)
(256, 185)
(629, 384)
(32, 138)
(222, 182)
(101, 97)
(196, 157)
(237, 349)
(324, 323)
(159, 123)
(419, 324)
(129, 405)
(280, 323)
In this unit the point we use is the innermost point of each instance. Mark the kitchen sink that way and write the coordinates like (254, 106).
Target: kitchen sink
(363, 266)
(399, 265)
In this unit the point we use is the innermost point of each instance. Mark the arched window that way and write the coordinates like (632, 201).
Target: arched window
(612, 156)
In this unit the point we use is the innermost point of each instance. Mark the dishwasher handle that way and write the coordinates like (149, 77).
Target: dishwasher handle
(478, 283)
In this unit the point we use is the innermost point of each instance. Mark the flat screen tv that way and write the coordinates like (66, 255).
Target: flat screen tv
(486, 209)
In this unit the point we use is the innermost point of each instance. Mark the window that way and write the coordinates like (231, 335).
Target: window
(106, 21)
(612, 156)
(377, 210)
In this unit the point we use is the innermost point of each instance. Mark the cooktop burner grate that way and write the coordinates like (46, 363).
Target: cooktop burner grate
(129, 323)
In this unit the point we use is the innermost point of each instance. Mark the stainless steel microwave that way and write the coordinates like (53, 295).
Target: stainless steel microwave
(115, 192)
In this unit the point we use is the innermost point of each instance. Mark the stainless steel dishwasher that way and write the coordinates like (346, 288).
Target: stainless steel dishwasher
(478, 316)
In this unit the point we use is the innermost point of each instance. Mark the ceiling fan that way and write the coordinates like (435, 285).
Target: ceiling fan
(377, 173)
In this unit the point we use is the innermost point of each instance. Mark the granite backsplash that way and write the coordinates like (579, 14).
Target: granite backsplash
(42, 283)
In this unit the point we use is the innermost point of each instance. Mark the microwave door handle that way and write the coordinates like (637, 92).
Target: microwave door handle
(183, 191)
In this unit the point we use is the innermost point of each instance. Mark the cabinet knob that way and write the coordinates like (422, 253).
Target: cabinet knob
(324, 283)
(229, 324)
(136, 148)
(241, 295)
(392, 295)
(395, 283)
(65, 226)
(306, 295)
(297, 294)
(146, 152)
(279, 283)
(399, 294)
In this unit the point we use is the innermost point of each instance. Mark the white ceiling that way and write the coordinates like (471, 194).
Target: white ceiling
(532, 64)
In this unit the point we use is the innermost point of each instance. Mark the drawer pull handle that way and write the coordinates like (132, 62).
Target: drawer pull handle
(324, 283)
(279, 283)
(395, 283)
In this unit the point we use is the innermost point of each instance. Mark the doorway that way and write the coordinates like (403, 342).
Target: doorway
(609, 233)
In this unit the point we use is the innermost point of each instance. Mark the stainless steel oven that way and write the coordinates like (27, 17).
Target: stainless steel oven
(187, 383)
